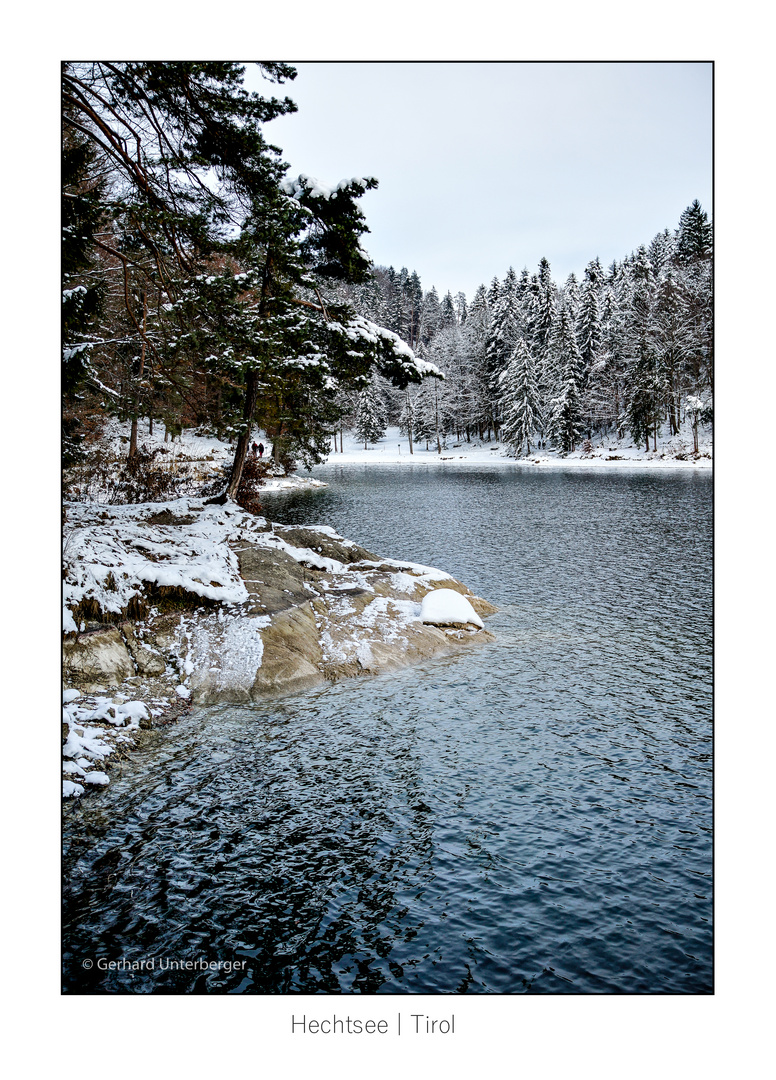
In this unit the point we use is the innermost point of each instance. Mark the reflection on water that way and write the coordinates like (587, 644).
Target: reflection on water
(530, 817)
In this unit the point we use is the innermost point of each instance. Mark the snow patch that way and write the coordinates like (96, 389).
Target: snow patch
(445, 606)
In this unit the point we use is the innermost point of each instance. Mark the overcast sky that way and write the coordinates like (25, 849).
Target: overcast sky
(487, 165)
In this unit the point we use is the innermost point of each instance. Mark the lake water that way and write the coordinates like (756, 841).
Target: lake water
(532, 816)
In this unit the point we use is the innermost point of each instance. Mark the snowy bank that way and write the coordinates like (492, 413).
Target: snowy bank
(393, 449)
(189, 602)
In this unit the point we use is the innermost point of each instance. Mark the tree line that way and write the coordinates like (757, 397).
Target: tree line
(628, 349)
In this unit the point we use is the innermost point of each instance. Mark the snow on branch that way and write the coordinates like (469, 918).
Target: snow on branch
(310, 185)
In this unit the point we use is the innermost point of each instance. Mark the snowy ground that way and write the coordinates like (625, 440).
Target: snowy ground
(194, 459)
(393, 449)
(97, 727)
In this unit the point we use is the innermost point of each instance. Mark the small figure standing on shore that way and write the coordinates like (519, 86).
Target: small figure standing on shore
(261, 449)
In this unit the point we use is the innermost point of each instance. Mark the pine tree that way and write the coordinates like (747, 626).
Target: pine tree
(228, 276)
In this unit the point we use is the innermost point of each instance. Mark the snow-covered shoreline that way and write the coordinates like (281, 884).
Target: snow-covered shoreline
(185, 601)
(393, 449)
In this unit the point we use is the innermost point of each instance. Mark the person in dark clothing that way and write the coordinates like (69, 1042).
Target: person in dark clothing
(261, 449)
(255, 447)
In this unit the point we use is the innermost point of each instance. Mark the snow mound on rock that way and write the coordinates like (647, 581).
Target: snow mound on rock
(444, 606)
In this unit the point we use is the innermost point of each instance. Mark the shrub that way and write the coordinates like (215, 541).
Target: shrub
(254, 471)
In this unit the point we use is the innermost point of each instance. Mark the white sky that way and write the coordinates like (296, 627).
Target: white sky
(487, 165)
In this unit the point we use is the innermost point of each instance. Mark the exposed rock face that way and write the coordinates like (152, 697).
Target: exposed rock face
(97, 659)
(292, 653)
(318, 607)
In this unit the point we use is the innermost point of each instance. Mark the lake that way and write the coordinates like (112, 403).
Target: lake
(533, 816)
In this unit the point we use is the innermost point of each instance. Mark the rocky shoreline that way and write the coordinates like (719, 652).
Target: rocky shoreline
(280, 609)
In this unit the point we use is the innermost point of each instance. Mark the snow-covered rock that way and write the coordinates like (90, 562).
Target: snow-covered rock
(446, 607)
(278, 609)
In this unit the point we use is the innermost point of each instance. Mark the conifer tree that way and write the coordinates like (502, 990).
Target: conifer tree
(370, 414)
(449, 316)
(694, 240)
(565, 420)
(643, 383)
(502, 335)
(82, 285)
(461, 307)
(430, 316)
(520, 399)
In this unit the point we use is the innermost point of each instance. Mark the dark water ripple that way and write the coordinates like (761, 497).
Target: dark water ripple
(532, 817)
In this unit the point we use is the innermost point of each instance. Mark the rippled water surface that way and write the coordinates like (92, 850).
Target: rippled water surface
(532, 816)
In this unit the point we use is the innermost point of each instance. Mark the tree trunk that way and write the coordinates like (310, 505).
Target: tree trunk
(436, 418)
(251, 393)
(132, 439)
(133, 430)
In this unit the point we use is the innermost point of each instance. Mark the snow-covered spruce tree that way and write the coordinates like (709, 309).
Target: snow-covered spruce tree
(370, 420)
(570, 295)
(589, 338)
(448, 313)
(643, 378)
(494, 290)
(413, 302)
(519, 400)
(673, 344)
(461, 307)
(474, 337)
(503, 333)
(694, 239)
(565, 420)
(694, 247)
(430, 316)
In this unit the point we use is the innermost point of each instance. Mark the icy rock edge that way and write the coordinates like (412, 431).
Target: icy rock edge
(195, 604)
